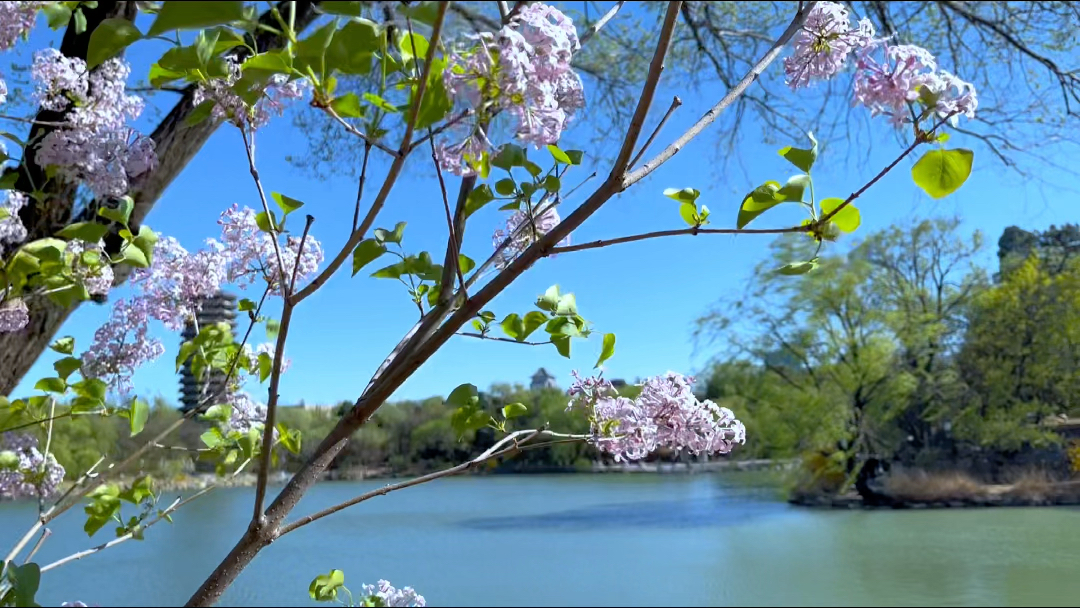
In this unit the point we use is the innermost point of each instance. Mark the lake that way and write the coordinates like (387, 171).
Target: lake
(586, 540)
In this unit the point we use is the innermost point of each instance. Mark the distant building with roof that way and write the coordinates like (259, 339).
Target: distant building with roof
(542, 379)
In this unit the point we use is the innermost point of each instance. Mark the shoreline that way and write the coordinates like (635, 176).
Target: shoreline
(1051, 494)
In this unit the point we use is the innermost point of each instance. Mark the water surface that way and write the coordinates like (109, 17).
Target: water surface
(585, 540)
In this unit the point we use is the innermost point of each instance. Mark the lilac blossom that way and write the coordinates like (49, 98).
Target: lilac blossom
(388, 595)
(97, 277)
(33, 474)
(12, 231)
(252, 256)
(246, 412)
(228, 105)
(524, 69)
(13, 315)
(121, 345)
(252, 355)
(3, 95)
(93, 146)
(823, 44)
(522, 234)
(666, 414)
(16, 20)
(909, 74)
(75, 604)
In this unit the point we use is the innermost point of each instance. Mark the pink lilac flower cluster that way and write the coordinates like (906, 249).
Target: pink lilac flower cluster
(171, 291)
(13, 315)
(889, 86)
(524, 69)
(665, 414)
(543, 218)
(824, 43)
(251, 252)
(34, 474)
(16, 20)
(94, 145)
(390, 596)
(229, 106)
(246, 412)
(97, 277)
(12, 231)
(906, 74)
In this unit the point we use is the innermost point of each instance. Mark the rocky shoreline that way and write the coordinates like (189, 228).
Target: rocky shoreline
(1063, 494)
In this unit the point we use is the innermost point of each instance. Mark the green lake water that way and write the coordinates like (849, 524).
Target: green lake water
(587, 540)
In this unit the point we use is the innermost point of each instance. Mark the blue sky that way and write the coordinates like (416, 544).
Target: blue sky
(648, 292)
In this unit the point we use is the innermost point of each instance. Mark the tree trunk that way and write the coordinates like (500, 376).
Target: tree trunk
(176, 144)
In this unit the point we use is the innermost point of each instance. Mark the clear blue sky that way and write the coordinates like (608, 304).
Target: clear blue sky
(648, 293)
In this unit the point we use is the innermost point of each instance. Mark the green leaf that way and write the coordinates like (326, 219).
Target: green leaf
(479, 197)
(245, 305)
(464, 394)
(325, 586)
(121, 213)
(798, 267)
(802, 158)
(509, 156)
(218, 413)
(562, 344)
(91, 388)
(184, 15)
(395, 236)
(559, 155)
(412, 46)
(25, 580)
(367, 251)
(67, 366)
(200, 113)
(688, 212)
(794, 189)
(422, 12)
(266, 366)
(353, 47)
(263, 221)
(532, 321)
(287, 204)
(550, 300)
(380, 103)
(436, 103)
(51, 385)
(760, 200)
(514, 327)
(140, 413)
(506, 186)
(58, 14)
(348, 105)
(514, 410)
(552, 183)
(109, 38)
(567, 305)
(848, 219)
(9, 460)
(683, 195)
(575, 156)
(91, 232)
(80, 21)
(465, 263)
(941, 172)
(64, 346)
(608, 349)
(349, 9)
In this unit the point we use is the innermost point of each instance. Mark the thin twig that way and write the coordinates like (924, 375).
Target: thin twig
(494, 451)
(446, 125)
(249, 148)
(728, 99)
(500, 339)
(452, 240)
(360, 185)
(357, 132)
(595, 28)
(677, 232)
(44, 534)
(391, 175)
(675, 103)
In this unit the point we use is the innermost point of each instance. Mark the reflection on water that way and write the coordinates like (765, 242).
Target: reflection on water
(585, 540)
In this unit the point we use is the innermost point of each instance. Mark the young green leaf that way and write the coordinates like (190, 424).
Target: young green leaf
(798, 267)
(683, 195)
(121, 212)
(688, 212)
(514, 410)
(848, 219)
(183, 15)
(140, 413)
(559, 155)
(109, 38)
(64, 346)
(367, 251)
(51, 385)
(941, 172)
(91, 232)
(802, 158)
(608, 350)
(479, 197)
(287, 204)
